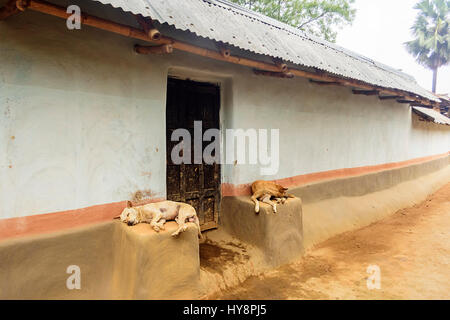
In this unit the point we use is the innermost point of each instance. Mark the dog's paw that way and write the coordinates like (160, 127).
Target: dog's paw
(161, 226)
(175, 234)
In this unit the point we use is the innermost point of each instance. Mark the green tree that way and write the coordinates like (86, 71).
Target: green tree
(431, 46)
(319, 17)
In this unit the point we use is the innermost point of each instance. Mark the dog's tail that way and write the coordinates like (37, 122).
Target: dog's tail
(197, 223)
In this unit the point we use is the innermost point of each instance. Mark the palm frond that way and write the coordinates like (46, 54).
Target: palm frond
(431, 44)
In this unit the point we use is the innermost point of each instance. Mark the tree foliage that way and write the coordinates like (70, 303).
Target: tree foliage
(320, 17)
(431, 30)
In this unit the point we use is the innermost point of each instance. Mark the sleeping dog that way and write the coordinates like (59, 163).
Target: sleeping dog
(266, 190)
(156, 214)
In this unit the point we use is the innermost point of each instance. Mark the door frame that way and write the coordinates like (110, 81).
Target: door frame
(221, 83)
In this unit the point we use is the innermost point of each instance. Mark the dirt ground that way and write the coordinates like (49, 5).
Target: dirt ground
(411, 249)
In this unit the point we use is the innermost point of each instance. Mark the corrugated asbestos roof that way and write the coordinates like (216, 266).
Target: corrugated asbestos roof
(432, 115)
(445, 99)
(229, 23)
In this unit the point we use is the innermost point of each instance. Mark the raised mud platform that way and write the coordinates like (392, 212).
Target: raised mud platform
(278, 235)
(121, 262)
(340, 205)
(116, 262)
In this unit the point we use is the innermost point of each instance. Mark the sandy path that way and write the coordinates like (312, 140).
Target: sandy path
(411, 248)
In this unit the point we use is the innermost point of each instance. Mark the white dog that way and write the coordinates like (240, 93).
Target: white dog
(156, 214)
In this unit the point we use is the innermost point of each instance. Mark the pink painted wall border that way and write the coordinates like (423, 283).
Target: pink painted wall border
(230, 190)
(57, 221)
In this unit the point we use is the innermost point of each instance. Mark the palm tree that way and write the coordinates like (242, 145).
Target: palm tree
(431, 46)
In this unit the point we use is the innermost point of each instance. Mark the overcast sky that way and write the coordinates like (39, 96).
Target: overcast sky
(379, 31)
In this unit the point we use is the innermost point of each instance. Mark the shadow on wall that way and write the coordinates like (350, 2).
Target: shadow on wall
(418, 123)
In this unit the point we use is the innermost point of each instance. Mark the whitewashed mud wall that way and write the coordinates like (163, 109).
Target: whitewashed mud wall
(83, 119)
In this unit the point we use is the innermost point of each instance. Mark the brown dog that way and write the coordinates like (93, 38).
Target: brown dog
(266, 190)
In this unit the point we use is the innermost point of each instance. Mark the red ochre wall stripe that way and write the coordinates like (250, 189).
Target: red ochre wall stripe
(230, 190)
(58, 221)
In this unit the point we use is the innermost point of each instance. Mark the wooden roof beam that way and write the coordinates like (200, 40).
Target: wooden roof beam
(325, 83)
(13, 7)
(366, 92)
(127, 31)
(273, 74)
(281, 65)
(407, 101)
(391, 97)
(224, 50)
(421, 105)
(163, 49)
(148, 28)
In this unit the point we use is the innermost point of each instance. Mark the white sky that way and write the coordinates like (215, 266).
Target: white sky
(379, 31)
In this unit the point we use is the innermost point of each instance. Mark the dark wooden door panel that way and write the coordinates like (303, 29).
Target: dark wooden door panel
(196, 184)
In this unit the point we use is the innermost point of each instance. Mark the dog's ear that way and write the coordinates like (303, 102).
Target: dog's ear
(129, 204)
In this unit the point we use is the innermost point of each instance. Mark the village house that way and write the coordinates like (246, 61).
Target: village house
(87, 116)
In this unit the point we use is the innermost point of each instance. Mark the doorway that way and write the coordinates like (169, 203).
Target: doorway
(195, 184)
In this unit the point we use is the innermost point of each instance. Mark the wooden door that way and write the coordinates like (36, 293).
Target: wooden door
(196, 184)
